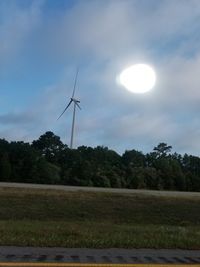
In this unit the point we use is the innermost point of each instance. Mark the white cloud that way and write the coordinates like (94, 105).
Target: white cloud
(114, 29)
(105, 36)
(16, 26)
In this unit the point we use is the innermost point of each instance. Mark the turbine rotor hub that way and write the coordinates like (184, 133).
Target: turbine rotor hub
(75, 100)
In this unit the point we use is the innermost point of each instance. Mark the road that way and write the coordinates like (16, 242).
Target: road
(99, 189)
(76, 256)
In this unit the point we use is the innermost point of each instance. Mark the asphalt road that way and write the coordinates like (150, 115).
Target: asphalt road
(78, 256)
(99, 189)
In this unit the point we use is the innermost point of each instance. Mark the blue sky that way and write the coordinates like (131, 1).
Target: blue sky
(43, 41)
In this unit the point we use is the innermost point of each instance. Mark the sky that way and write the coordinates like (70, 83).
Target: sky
(43, 41)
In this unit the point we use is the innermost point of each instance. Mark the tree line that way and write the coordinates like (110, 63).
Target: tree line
(48, 161)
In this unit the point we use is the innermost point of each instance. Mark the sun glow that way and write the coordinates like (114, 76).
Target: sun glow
(139, 78)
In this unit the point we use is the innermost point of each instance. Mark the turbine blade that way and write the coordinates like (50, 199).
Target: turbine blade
(75, 83)
(78, 105)
(65, 109)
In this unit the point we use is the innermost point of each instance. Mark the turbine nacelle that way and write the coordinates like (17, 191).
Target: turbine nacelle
(75, 100)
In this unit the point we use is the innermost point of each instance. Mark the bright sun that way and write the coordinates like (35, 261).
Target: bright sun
(139, 78)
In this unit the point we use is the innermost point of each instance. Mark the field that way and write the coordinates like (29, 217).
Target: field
(33, 217)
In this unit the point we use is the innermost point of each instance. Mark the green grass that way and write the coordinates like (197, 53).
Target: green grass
(99, 220)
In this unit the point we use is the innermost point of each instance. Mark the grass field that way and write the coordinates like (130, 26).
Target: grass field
(33, 217)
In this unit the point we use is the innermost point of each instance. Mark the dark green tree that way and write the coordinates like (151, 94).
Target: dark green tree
(133, 158)
(50, 146)
(46, 172)
(5, 167)
(162, 149)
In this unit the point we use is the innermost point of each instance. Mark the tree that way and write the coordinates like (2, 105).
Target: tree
(133, 158)
(47, 173)
(5, 167)
(50, 146)
(135, 177)
(22, 158)
(49, 161)
(162, 149)
(152, 178)
(100, 179)
(192, 164)
(178, 175)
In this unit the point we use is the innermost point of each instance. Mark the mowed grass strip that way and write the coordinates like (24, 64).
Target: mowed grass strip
(97, 220)
(97, 235)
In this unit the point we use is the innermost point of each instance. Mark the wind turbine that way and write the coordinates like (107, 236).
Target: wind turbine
(76, 104)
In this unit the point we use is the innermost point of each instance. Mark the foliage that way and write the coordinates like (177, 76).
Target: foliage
(48, 160)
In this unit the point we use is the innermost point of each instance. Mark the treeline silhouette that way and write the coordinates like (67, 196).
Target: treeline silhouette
(48, 161)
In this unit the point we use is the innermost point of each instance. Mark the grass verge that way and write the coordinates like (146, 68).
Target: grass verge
(97, 220)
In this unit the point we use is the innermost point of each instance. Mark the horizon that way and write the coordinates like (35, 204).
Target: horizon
(171, 151)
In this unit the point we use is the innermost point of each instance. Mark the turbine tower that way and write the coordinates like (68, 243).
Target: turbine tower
(76, 104)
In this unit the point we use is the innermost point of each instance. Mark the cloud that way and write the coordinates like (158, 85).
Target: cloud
(16, 26)
(17, 118)
(188, 141)
(140, 131)
(104, 37)
(120, 29)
